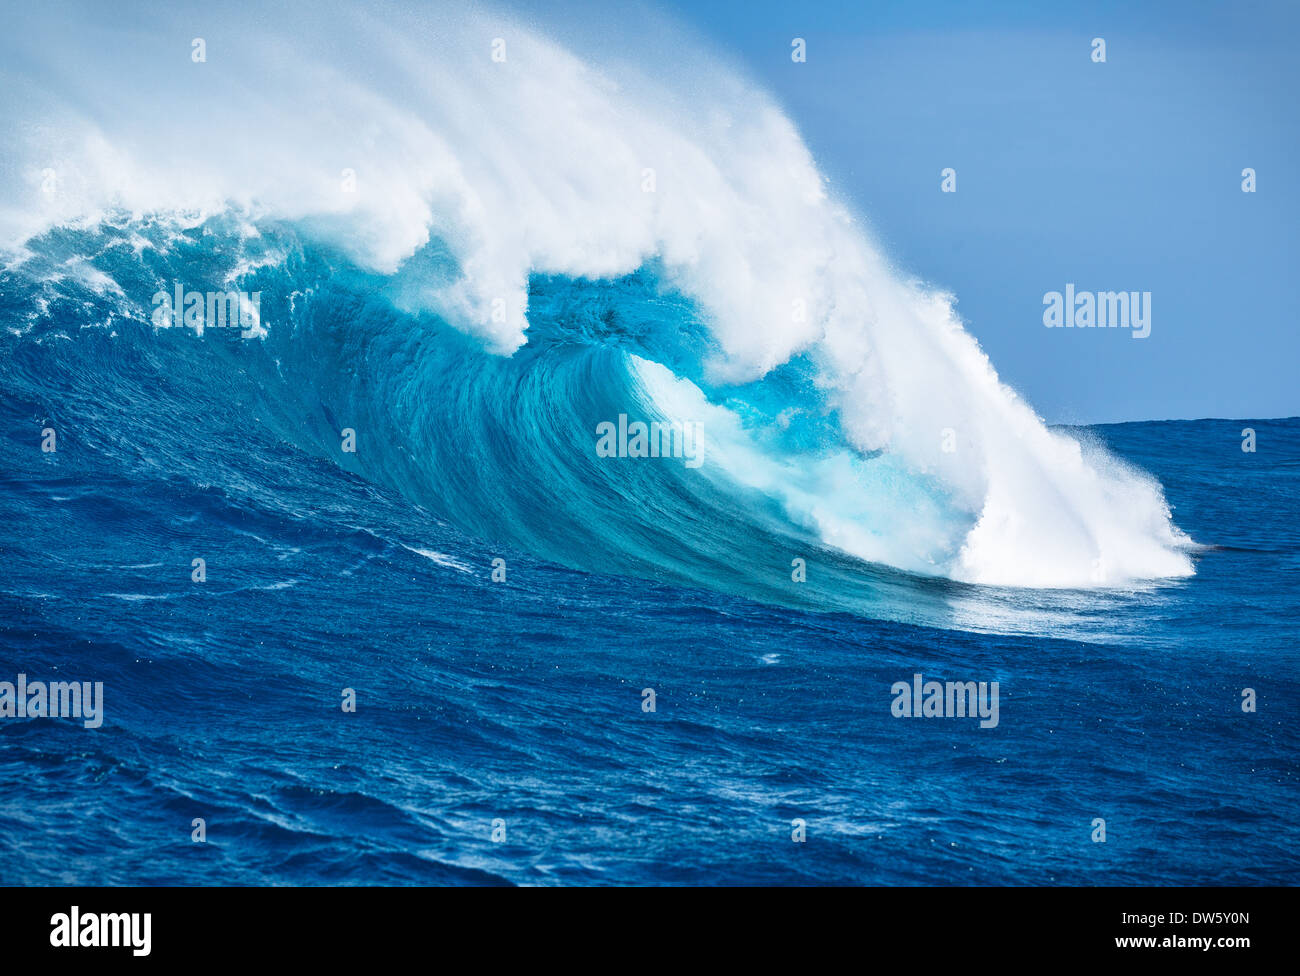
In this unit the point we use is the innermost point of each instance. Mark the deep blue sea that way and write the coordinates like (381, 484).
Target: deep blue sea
(517, 707)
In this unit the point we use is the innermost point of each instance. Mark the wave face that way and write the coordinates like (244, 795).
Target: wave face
(474, 263)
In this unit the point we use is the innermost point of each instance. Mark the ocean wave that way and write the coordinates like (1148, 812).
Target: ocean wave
(473, 264)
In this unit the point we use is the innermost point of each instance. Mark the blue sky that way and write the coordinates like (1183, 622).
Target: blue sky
(1117, 176)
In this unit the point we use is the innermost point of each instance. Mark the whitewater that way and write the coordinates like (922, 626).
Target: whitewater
(467, 167)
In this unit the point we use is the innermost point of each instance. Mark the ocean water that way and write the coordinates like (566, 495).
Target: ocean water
(368, 598)
(519, 703)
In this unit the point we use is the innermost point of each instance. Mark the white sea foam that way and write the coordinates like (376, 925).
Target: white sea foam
(440, 558)
(538, 164)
